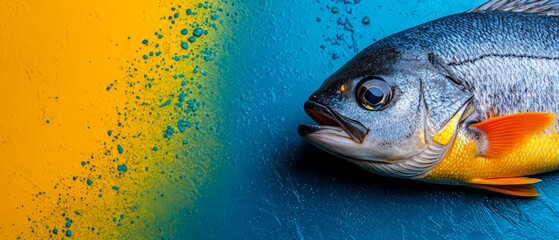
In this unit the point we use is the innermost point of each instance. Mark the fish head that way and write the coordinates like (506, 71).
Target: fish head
(376, 107)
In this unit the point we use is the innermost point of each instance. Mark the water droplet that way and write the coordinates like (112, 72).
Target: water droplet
(366, 20)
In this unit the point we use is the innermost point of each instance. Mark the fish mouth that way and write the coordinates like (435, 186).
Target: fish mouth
(331, 122)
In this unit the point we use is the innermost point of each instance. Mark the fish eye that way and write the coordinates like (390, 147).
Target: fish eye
(374, 94)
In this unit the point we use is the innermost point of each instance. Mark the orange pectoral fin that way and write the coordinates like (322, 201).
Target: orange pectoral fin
(516, 186)
(514, 190)
(505, 133)
(505, 181)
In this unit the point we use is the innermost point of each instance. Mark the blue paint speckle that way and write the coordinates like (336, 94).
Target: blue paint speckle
(119, 148)
(68, 233)
(122, 167)
(168, 133)
(166, 103)
(116, 188)
(184, 45)
(89, 182)
(184, 31)
(198, 32)
(183, 124)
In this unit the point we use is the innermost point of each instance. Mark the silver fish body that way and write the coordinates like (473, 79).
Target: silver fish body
(508, 61)
(471, 65)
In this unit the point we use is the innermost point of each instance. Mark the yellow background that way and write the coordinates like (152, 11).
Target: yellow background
(56, 59)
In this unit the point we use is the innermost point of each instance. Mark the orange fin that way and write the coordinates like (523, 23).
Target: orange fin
(505, 133)
(514, 190)
(505, 181)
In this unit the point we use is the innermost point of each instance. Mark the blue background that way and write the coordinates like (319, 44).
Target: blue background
(275, 185)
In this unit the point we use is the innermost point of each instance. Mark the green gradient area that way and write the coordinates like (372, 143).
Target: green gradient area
(168, 133)
(146, 181)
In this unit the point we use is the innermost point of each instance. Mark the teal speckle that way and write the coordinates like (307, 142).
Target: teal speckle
(184, 31)
(189, 11)
(198, 32)
(55, 230)
(145, 57)
(68, 224)
(89, 182)
(192, 39)
(185, 142)
(184, 45)
(168, 133)
(110, 132)
(119, 148)
(183, 124)
(145, 42)
(166, 103)
(122, 167)
(68, 233)
(155, 148)
(116, 188)
(177, 58)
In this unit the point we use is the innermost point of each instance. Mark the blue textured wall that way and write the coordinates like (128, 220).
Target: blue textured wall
(275, 185)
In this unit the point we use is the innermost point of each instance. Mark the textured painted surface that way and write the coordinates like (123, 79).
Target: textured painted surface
(109, 116)
(70, 75)
(274, 184)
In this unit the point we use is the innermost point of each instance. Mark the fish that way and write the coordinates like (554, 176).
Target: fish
(470, 99)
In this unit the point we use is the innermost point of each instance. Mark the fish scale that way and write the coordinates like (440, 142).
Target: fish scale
(497, 54)
(462, 163)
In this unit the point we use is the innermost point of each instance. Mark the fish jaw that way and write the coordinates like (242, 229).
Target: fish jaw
(349, 139)
(336, 134)
(332, 139)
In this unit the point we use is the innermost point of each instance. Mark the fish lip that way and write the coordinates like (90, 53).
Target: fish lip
(325, 116)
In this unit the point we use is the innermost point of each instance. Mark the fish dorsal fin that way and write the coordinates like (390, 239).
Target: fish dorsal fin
(539, 7)
(504, 133)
